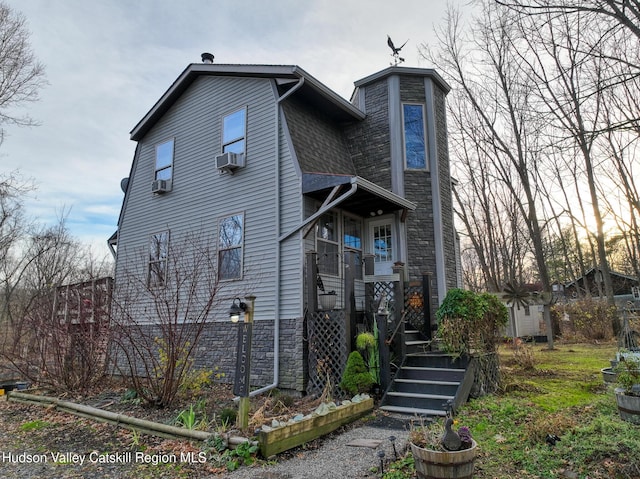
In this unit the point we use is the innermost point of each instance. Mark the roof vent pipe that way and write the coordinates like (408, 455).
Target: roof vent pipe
(207, 57)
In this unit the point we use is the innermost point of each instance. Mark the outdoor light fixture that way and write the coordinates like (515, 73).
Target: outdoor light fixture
(236, 310)
(393, 443)
(381, 456)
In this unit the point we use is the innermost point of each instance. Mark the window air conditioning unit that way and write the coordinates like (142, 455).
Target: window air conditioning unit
(161, 186)
(229, 161)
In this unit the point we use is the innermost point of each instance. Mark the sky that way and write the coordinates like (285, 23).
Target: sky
(107, 62)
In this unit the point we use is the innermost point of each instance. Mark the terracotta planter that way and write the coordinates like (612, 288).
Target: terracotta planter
(432, 464)
(628, 406)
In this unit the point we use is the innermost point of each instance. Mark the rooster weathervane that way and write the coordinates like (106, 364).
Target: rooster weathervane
(396, 51)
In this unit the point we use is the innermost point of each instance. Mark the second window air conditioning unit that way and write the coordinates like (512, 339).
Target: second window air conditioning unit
(228, 162)
(161, 186)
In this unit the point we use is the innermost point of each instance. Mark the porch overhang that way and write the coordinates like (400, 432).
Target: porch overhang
(366, 198)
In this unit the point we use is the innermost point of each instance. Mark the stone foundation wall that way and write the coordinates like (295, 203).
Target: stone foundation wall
(217, 351)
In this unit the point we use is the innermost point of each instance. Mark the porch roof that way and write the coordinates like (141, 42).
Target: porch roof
(364, 197)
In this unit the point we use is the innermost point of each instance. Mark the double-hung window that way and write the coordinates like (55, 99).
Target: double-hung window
(415, 152)
(234, 126)
(230, 245)
(158, 254)
(164, 161)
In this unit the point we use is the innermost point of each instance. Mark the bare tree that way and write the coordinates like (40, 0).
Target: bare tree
(489, 73)
(21, 75)
(39, 342)
(559, 55)
(624, 12)
(162, 303)
(492, 224)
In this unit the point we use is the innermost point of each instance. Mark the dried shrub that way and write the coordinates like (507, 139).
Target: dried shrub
(542, 423)
(587, 318)
(524, 357)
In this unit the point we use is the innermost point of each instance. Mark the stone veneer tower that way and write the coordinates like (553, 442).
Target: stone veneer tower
(378, 151)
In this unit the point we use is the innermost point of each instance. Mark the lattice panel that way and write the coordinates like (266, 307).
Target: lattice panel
(326, 333)
(414, 305)
(384, 291)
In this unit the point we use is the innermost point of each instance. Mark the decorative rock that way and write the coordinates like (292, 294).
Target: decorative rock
(322, 410)
(298, 418)
(360, 397)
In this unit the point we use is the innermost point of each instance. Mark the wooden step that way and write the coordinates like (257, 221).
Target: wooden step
(414, 410)
(420, 395)
(428, 382)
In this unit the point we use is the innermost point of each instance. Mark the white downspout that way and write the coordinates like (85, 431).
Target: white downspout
(276, 320)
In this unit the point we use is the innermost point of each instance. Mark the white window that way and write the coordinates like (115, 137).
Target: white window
(164, 161)
(230, 243)
(234, 126)
(158, 254)
(415, 153)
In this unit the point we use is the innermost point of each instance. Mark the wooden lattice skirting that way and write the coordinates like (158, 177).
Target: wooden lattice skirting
(326, 333)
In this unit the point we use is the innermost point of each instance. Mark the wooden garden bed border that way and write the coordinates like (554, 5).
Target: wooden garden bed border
(287, 437)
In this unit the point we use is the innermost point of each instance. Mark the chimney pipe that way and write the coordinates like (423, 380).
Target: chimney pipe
(207, 58)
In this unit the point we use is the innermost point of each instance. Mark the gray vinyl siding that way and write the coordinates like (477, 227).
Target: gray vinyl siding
(200, 195)
(291, 252)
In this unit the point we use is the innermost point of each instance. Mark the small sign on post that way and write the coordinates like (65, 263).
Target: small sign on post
(243, 361)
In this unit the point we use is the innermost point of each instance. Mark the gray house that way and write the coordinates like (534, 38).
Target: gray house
(301, 193)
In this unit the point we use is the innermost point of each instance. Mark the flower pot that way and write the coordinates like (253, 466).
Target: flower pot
(628, 406)
(432, 464)
(328, 301)
(609, 375)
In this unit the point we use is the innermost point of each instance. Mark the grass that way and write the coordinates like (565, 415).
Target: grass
(34, 425)
(561, 393)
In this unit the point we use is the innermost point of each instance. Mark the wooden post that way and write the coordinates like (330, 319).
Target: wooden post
(311, 281)
(383, 350)
(369, 306)
(244, 356)
(349, 299)
(426, 305)
(398, 296)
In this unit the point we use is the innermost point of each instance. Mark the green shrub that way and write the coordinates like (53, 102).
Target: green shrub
(356, 377)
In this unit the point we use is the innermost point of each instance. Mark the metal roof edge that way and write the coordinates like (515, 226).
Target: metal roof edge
(194, 70)
(331, 95)
(383, 193)
(407, 71)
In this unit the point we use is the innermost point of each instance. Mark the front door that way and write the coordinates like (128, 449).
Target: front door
(382, 245)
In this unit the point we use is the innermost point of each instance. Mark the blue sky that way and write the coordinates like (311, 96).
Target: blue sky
(107, 62)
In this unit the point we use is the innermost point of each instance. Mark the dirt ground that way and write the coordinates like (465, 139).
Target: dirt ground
(38, 441)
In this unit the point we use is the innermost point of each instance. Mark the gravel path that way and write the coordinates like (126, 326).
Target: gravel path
(335, 458)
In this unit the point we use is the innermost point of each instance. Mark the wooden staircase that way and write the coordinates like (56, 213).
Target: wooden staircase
(428, 382)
